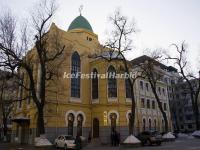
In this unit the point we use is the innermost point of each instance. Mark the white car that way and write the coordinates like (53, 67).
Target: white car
(65, 141)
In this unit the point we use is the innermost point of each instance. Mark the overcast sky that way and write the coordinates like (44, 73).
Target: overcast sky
(161, 22)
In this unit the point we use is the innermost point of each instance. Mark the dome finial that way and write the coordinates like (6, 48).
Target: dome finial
(80, 9)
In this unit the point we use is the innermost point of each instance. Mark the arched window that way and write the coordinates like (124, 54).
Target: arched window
(75, 70)
(79, 124)
(163, 125)
(128, 88)
(155, 125)
(144, 124)
(148, 103)
(70, 124)
(112, 82)
(95, 94)
(153, 104)
(149, 124)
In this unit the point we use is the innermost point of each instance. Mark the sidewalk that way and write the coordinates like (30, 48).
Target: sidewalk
(14, 146)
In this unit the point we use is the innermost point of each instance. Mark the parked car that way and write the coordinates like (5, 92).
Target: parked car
(65, 141)
(150, 138)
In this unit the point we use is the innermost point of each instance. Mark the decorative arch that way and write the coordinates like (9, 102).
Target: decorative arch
(149, 123)
(127, 116)
(66, 116)
(109, 113)
(144, 124)
(83, 114)
(70, 119)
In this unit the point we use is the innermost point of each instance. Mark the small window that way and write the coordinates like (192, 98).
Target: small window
(190, 126)
(89, 38)
(163, 91)
(153, 105)
(142, 103)
(165, 106)
(141, 85)
(148, 103)
(147, 86)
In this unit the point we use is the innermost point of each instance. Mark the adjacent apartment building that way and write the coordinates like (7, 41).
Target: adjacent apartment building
(181, 107)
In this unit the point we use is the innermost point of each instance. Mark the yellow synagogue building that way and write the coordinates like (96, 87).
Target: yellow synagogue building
(86, 106)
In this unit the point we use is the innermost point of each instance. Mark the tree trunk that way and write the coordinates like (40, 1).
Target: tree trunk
(165, 120)
(176, 122)
(132, 117)
(194, 97)
(40, 121)
(41, 95)
(160, 107)
(5, 128)
(197, 117)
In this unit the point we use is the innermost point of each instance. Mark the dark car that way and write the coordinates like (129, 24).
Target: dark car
(150, 138)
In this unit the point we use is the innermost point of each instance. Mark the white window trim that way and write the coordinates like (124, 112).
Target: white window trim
(75, 100)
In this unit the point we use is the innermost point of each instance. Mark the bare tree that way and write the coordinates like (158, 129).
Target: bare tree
(7, 95)
(47, 49)
(193, 82)
(114, 50)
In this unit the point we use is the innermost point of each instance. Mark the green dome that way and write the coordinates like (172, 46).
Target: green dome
(80, 22)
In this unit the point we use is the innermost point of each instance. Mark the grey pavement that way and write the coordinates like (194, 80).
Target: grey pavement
(179, 144)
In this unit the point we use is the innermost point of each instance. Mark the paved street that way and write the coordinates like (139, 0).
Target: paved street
(179, 144)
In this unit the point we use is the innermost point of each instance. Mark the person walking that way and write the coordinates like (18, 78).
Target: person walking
(89, 137)
(118, 139)
(112, 136)
(78, 142)
(115, 138)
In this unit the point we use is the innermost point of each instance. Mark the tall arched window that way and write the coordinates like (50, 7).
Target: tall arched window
(155, 125)
(95, 84)
(144, 124)
(149, 124)
(112, 82)
(75, 70)
(128, 88)
(70, 124)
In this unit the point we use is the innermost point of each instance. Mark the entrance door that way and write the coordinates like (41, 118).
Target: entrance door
(95, 128)
(24, 133)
